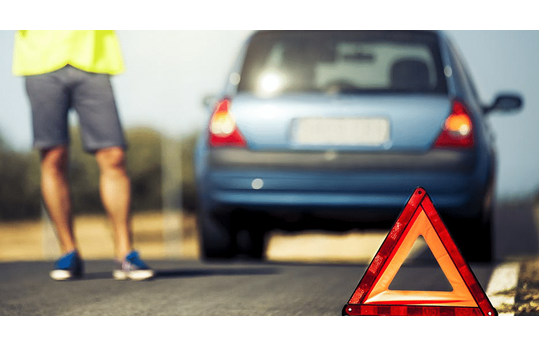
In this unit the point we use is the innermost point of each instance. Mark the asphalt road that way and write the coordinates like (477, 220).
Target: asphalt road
(199, 289)
(239, 288)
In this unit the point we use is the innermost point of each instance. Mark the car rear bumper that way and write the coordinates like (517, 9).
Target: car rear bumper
(348, 186)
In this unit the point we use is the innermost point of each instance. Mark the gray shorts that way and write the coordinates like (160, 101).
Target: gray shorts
(51, 97)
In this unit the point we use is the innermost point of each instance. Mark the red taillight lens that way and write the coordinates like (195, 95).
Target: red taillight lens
(458, 129)
(223, 129)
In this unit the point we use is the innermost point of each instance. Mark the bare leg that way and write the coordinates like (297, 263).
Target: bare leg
(56, 194)
(115, 189)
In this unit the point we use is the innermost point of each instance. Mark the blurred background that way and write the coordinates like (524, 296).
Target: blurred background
(168, 73)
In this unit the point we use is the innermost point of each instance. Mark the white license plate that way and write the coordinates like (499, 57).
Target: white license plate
(341, 131)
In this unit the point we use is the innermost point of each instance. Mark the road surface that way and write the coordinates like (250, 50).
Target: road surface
(243, 288)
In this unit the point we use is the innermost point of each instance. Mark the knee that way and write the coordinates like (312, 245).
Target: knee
(111, 158)
(55, 159)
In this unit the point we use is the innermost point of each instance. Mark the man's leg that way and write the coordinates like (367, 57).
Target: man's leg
(102, 134)
(50, 103)
(56, 194)
(115, 189)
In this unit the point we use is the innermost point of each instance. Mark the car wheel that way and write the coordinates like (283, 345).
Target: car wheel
(217, 239)
(252, 243)
(474, 239)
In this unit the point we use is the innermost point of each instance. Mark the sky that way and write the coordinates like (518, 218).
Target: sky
(169, 72)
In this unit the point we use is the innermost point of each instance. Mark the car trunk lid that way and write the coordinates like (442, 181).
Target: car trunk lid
(369, 123)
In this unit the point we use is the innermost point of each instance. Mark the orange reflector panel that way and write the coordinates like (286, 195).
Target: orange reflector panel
(373, 296)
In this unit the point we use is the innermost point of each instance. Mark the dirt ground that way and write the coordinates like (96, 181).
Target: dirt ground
(35, 240)
(527, 295)
(159, 235)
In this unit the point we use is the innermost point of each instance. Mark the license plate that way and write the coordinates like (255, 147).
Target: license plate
(342, 131)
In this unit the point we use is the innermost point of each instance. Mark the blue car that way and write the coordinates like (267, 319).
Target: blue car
(334, 130)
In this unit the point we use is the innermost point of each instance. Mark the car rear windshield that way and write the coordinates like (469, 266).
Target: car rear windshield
(280, 62)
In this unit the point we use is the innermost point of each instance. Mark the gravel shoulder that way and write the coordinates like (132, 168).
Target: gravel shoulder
(527, 293)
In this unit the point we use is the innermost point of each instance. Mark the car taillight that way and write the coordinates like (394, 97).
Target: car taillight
(457, 131)
(223, 129)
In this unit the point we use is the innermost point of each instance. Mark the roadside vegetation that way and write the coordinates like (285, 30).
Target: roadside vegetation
(20, 175)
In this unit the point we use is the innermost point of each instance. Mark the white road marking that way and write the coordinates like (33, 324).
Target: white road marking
(502, 286)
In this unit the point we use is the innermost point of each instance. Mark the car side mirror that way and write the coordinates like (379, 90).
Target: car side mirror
(505, 103)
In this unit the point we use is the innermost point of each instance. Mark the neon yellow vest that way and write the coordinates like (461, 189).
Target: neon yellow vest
(42, 51)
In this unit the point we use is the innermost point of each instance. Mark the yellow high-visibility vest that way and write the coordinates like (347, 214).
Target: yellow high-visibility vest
(42, 51)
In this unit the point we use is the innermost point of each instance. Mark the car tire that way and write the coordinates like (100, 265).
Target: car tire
(252, 243)
(474, 239)
(217, 239)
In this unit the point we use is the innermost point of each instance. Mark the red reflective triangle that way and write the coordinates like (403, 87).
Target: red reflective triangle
(373, 296)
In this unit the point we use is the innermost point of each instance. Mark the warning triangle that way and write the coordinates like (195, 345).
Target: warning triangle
(373, 296)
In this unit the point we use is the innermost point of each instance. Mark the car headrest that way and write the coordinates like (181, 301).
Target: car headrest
(409, 74)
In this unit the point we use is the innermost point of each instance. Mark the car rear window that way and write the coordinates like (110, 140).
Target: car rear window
(280, 62)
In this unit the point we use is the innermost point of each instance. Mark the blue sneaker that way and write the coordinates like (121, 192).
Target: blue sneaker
(69, 266)
(133, 268)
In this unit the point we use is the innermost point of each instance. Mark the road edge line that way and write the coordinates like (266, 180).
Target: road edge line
(502, 287)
